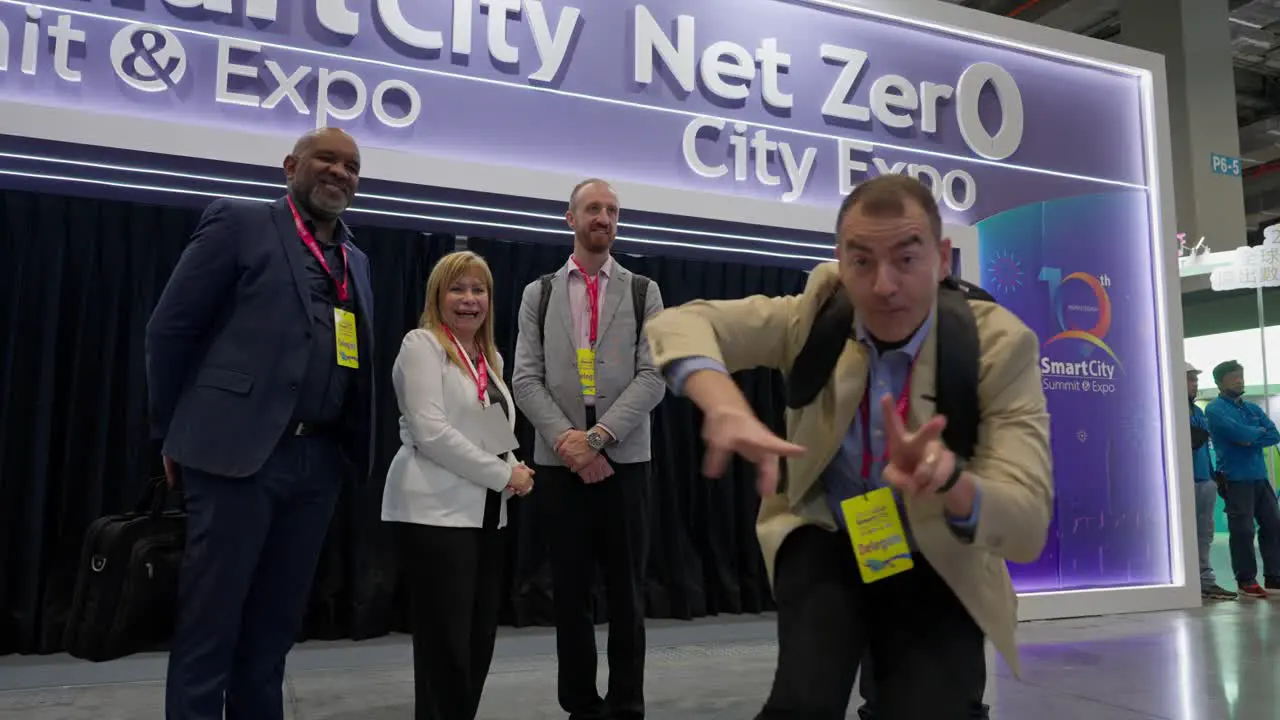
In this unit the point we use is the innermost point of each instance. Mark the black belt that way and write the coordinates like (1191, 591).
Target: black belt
(304, 429)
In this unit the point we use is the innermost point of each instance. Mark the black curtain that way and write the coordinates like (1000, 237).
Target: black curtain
(80, 280)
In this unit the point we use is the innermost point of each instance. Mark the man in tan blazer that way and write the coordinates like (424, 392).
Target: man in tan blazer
(924, 627)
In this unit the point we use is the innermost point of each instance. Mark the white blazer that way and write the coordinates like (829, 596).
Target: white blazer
(440, 475)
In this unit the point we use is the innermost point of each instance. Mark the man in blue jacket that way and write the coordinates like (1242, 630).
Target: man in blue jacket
(1206, 491)
(259, 366)
(1240, 430)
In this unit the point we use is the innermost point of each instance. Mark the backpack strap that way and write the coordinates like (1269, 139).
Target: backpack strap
(544, 302)
(817, 359)
(639, 296)
(957, 378)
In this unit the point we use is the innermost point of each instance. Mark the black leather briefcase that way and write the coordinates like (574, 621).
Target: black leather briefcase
(127, 582)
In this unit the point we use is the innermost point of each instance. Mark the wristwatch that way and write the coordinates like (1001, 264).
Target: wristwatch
(953, 478)
(595, 440)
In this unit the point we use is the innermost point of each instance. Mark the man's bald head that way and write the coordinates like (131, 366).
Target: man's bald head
(323, 171)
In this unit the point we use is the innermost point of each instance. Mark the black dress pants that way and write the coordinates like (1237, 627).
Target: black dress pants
(929, 653)
(455, 585)
(599, 526)
(978, 710)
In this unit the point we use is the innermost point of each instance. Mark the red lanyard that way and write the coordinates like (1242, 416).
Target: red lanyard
(904, 403)
(593, 300)
(479, 373)
(310, 241)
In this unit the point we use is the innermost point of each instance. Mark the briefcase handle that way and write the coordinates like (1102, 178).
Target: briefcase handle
(156, 497)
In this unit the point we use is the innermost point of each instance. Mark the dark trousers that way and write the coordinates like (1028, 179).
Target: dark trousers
(978, 710)
(602, 525)
(1247, 503)
(455, 586)
(251, 554)
(929, 654)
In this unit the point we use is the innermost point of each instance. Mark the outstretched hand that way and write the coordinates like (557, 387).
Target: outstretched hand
(738, 432)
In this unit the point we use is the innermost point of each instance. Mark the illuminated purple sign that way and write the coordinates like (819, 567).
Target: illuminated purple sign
(777, 105)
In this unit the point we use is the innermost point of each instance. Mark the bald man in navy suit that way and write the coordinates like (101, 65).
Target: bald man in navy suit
(259, 358)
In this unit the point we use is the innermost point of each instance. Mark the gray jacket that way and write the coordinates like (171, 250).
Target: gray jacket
(545, 378)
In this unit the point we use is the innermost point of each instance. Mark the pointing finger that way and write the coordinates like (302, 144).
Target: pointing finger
(892, 423)
(771, 445)
(715, 462)
(929, 432)
(767, 475)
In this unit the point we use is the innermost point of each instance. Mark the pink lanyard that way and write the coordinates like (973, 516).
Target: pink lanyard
(593, 300)
(481, 371)
(310, 241)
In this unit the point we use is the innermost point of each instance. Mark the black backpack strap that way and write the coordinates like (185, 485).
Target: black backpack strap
(544, 302)
(821, 351)
(639, 296)
(957, 378)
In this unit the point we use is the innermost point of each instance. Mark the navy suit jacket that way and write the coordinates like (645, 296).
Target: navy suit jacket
(228, 343)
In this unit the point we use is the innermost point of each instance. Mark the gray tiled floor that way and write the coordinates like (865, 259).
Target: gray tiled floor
(1217, 662)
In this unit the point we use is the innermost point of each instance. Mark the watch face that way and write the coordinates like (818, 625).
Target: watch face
(595, 440)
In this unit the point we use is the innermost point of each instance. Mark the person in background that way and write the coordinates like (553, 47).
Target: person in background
(259, 358)
(1206, 491)
(447, 486)
(869, 442)
(586, 381)
(1240, 430)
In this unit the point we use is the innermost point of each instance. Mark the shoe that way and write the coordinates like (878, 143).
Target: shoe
(1253, 590)
(1215, 591)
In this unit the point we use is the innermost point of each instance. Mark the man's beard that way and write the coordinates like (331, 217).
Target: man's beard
(589, 241)
(1232, 393)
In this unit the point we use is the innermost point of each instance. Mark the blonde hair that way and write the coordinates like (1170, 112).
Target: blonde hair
(447, 271)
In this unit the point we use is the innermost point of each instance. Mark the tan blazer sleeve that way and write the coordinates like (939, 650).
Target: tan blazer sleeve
(753, 332)
(1012, 462)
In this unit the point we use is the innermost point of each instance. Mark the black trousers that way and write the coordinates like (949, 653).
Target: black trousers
(599, 526)
(978, 710)
(252, 548)
(455, 587)
(1253, 504)
(929, 653)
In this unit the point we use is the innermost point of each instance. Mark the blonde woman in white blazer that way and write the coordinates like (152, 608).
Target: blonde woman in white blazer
(446, 493)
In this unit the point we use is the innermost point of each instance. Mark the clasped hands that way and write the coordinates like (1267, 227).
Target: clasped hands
(579, 457)
(521, 482)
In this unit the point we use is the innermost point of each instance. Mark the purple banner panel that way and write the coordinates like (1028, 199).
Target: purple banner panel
(1038, 162)
(776, 100)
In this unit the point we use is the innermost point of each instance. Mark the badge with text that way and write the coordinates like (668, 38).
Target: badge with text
(344, 329)
(876, 531)
(587, 371)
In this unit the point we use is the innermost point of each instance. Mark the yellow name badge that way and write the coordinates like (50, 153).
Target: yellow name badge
(878, 538)
(587, 371)
(344, 329)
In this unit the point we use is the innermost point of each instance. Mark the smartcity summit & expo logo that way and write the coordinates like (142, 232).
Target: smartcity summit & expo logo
(1078, 358)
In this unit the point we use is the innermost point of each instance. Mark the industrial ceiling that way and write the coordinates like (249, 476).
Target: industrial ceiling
(1255, 46)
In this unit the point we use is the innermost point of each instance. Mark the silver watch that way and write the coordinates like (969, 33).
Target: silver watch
(595, 439)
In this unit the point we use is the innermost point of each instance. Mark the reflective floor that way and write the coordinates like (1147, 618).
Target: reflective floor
(1217, 662)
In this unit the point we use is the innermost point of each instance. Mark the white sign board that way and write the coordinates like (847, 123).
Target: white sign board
(1251, 267)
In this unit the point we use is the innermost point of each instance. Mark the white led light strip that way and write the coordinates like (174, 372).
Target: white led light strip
(847, 7)
(1160, 271)
(409, 216)
(592, 98)
(411, 201)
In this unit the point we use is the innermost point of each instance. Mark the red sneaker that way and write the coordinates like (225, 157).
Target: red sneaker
(1253, 590)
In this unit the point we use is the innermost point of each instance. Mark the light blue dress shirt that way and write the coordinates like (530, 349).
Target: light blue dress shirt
(842, 479)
